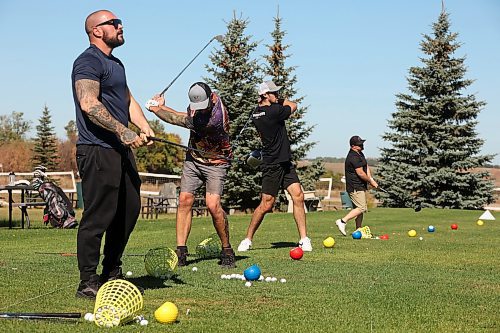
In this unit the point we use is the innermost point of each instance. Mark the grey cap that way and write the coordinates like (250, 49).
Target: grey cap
(199, 96)
(268, 86)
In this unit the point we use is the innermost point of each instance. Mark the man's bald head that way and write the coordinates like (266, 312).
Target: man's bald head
(96, 18)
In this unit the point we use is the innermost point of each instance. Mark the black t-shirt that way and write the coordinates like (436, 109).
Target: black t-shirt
(353, 161)
(270, 123)
(109, 71)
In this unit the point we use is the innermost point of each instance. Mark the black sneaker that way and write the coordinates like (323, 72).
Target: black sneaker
(182, 255)
(227, 258)
(88, 288)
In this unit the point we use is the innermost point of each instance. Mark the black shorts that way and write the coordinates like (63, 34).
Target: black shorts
(276, 176)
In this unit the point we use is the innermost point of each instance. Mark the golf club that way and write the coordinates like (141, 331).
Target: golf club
(417, 207)
(41, 315)
(219, 38)
(205, 153)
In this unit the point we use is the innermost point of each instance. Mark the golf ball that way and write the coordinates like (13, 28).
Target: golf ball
(248, 284)
(195, 269)
(129, 273)
(89, 316)
(282, 280)
(144, 322)
(421, 238)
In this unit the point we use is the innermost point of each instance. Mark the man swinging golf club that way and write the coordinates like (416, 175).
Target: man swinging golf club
(358, 176)
(278, 171)
(208, 122)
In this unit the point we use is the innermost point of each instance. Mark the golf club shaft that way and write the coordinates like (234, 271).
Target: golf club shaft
(205, 153)
(175, 78)
(41, 315)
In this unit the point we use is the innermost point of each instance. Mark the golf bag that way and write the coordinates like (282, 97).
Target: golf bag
(59, 209)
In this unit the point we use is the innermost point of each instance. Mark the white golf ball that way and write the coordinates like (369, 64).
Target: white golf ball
(223, 276)
(273, 279)
(195, 269)
(88, 316)
(144, 322)
(129, 273)
(261, 278)
(421, 238)
(282, 280)
(268, 279)
(248, 284)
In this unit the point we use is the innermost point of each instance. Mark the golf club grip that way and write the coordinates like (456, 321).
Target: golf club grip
(41, 315)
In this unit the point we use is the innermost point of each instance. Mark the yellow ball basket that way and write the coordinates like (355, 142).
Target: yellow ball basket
(209, 247)
(117, 302)
(365, 232)
(161, 262)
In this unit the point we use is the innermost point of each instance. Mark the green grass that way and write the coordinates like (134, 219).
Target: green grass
(448, 282)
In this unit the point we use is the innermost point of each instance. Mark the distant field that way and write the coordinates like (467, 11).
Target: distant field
(446, 282)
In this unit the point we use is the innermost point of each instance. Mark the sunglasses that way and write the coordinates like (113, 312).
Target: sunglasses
(114, 22)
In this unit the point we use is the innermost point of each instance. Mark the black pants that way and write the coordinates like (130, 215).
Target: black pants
(111, 197)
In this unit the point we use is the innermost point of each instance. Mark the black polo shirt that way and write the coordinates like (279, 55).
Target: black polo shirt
(270, 123)
(353, 161)
(109, 71)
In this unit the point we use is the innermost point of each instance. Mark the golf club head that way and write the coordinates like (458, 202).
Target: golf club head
(219, 38)
(254, 159)
(418, 208)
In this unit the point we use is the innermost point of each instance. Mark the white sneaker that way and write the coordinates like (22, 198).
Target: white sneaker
(341, 226)
(245, 245)
(305, 244)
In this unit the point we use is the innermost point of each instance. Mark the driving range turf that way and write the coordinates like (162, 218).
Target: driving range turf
(447, 282)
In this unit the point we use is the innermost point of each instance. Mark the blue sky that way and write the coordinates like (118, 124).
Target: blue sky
(352, 56)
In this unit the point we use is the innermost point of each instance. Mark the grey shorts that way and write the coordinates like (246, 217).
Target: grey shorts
(195, 174)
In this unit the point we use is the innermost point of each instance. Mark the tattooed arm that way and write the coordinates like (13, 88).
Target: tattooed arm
(87, 92)
(168, 114)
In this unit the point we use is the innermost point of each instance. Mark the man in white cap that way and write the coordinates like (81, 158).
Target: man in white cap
(208, 122)
(358, 176)
(278, 172)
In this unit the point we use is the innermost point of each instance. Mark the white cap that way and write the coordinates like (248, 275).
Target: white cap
(199, 96)
(268, 86)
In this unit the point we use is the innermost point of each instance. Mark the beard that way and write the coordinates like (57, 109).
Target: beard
(113, 41)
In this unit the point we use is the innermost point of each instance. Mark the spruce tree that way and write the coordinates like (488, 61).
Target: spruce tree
(235, 76)
(298, 130)
(433, 145)
(45, 143)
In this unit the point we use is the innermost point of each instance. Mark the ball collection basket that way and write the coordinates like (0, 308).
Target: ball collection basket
(161, 262)
(117, 302)
(365, 232)
(209, 247)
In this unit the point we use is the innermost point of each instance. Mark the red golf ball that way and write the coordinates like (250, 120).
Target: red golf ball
(454, 226)
(296, 253)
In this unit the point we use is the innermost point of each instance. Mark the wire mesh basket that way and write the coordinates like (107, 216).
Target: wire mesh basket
(117, 302)
(161, 262)
(365, 232)
(209, 247)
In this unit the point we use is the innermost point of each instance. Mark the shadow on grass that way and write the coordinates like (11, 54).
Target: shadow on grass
(280, 245)
(197, 260)
(150, 282)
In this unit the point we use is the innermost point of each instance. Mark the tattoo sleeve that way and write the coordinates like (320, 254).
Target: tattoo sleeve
(87, 92)
(172, 118)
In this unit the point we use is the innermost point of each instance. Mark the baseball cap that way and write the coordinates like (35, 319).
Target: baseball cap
(199, 96)
(268, 86)
(356, 141)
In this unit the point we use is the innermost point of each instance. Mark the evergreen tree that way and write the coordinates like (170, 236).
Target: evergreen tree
(235, 77)
(298, 130)
(45, 143)
(433, 143)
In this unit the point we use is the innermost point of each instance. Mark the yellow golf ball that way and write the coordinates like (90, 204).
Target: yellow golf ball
(480, 222)
(329, 242)
(167, 313)
(412, 233)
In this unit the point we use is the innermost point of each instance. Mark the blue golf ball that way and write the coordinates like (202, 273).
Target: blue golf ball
(431, 228)
(252, 273)
(356, 234)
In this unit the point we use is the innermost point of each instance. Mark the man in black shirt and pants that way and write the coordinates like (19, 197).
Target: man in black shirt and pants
(358, 176)
(278, 171)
